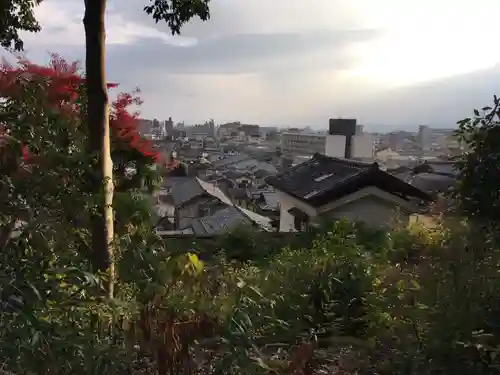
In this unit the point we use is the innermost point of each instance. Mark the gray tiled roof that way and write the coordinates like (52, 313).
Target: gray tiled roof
(220, 222)
(184, 192)
(170, 182)
(271, 199)
(230, 160)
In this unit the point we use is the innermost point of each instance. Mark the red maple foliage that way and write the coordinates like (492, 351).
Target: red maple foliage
(64, 85)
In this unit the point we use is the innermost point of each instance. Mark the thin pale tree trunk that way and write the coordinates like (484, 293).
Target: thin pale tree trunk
(99, 138)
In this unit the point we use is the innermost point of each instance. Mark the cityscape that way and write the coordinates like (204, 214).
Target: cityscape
(153, 222)
(240, 160)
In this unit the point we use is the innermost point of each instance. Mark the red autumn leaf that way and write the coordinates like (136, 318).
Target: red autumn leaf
(63, 82)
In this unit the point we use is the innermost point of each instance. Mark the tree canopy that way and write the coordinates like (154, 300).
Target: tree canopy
(479, 167)
(16, 16)
(177, 13)
(43, 142)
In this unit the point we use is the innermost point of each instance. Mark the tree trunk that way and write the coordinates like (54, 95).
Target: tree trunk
(99, 138)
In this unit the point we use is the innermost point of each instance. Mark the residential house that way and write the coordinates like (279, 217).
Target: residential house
(227, 219)
(267, 202)
(189, 198)
(260, 176)
(330, 187)
(242, 163)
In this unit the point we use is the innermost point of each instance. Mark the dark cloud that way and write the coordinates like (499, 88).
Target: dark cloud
(236, 54)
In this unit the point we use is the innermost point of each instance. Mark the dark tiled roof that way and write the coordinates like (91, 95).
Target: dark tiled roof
(170, 182)
(324, 179)
(432, 182)
(268, 200)
(317, 175)
(237, 193)
(232, 175)
(220, 222)
(230, 160)
(186, 191)
(261, 173)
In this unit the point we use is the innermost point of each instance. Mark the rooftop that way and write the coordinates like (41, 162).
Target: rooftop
(192, 187)
(317, 175)
(222, 221)
(323, 179)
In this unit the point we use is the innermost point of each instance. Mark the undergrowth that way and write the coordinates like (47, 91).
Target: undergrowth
(412, 301)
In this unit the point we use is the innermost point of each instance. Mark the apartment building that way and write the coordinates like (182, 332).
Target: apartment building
(297, 143)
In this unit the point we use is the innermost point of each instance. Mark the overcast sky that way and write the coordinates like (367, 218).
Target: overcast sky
(388, 63)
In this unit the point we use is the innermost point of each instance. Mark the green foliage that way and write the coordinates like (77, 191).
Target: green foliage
(407, 300)
(479, 167)
(16, 16)
(176, 13)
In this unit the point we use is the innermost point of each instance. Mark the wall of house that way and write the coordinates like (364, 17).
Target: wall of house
(286, 219)
(372, 206)
(372, 210)
(164, 209)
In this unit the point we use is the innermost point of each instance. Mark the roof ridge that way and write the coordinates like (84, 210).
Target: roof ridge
(352, 162)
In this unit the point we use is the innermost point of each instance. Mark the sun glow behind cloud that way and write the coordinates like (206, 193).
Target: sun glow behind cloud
(426, 40)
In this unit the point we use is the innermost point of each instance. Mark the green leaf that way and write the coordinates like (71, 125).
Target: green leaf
(196, 262)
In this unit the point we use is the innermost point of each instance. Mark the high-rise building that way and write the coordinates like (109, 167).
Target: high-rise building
(169, 126)
(346, 139)
(157, 129)
(424, 137)
(144, 127)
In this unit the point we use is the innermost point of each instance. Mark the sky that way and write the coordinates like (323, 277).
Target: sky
(388, 63)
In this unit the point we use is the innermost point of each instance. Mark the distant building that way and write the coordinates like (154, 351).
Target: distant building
(169, 126)
(296, 143)
(250, 130)
(229, 129)
(347, 140)
(157, 129)
(145, 127)
(424, 137)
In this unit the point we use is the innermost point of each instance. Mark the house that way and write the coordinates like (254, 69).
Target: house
(336, 188)
(242, 163)
(227, 219)
(267, 201)
(184, 199)
(442, 167)
(260, 176)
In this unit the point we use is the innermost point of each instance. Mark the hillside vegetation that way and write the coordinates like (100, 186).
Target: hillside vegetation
(402, 302)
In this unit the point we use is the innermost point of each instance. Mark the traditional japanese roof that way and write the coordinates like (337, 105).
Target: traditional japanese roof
(323, 179)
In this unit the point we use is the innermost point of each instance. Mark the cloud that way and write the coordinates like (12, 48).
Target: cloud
(285, 62)
(243, 53)
(229, 17)
(238, 69)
